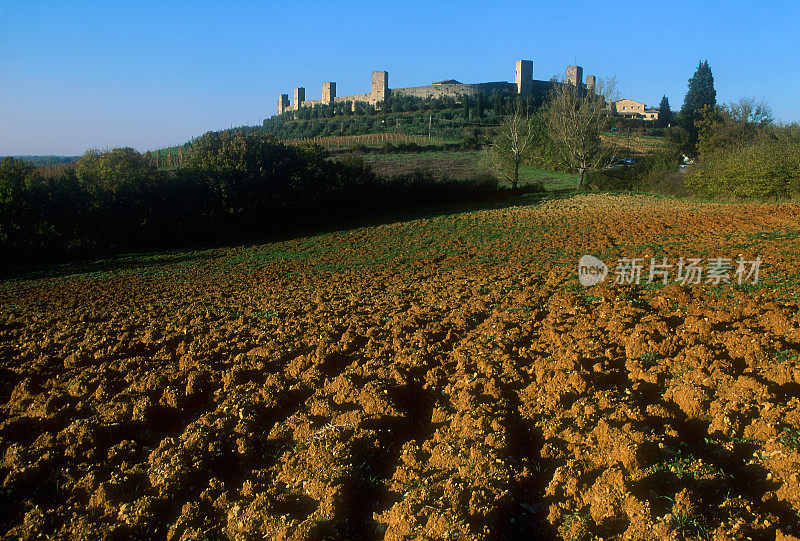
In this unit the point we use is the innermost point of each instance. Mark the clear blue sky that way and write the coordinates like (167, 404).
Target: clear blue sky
(76, 75)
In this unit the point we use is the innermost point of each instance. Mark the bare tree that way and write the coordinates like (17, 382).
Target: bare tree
(748, 110)
(574, 118)
(513, 142)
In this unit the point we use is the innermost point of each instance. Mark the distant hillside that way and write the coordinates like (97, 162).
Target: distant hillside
(445, 116)
(466, 121)
(41, 161)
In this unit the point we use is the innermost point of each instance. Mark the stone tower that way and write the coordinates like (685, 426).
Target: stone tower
(575, 75)
(328, 92)
(523, 76)
(380, 86)
(299, 97)
(283, 103)
(591, 82)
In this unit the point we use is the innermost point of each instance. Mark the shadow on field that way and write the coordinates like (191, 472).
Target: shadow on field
(205, 250)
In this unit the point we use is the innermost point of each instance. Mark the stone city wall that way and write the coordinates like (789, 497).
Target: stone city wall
(523, 84)
(354, 97)
(542, 88)
(452, 89)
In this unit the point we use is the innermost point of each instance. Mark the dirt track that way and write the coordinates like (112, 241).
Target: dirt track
(444, 378)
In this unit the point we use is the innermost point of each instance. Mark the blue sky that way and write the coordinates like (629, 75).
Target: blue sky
(76, 75)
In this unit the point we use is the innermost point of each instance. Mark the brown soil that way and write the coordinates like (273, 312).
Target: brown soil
(438, 379)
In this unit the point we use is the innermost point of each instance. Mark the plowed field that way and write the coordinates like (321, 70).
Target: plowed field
(443, 378)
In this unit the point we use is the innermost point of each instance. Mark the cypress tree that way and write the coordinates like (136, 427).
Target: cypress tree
(701, 94)
(664, 112)
(701, 90)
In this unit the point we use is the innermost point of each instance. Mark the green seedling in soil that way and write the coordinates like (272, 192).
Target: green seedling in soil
(690, 525)
(742, 441)
(634, 300)
(678, 374)
(790, 437)
(576, 521)
(269, 314)
(649, 360)
(300, 446)
(785, 355)
(411, 485)
(675, 462)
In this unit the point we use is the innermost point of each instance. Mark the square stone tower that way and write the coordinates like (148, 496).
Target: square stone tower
(523, 76)
(283, 103)
(299, 97)
(328, 92)
(574, 75)
(380, 86)
(591, 82)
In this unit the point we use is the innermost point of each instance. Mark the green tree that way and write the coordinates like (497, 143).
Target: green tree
(743, 153)
(108, 171)
(701, 91)
(253, 172)
(733, 125)
(700, 95)
(121, 186)
(664, 112)
(14, 174)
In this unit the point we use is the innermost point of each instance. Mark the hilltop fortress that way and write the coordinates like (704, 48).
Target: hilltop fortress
(524, 85)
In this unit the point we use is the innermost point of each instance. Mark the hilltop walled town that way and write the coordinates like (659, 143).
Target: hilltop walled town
(524, 84)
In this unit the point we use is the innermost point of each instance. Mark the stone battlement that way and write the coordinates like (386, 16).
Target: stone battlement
(523, 84)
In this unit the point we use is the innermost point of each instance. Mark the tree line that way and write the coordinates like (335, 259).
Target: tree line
(727, 150)
(742, 152)
(233, 185)
(738, 149)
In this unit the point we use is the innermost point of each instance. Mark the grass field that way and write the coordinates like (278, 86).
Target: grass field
(638, 144)
(463, 165)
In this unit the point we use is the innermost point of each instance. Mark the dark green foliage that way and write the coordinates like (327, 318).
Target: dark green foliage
(446, 116)
(14, 176)
(664, 112)
(37, 213)
(656, 173)
(743, 154)
(472, 140)
(701, 91)
(766, 166)
(700, 95)
(733, 125)
(41, 161)
(235, 184)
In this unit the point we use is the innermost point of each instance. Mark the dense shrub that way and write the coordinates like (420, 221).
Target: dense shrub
(743, 154)
(657, 173)
(766, 167)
